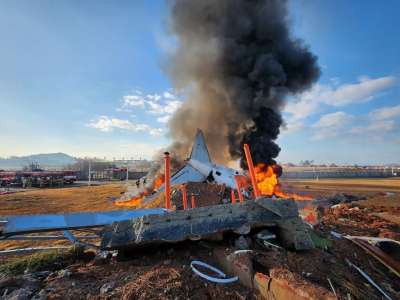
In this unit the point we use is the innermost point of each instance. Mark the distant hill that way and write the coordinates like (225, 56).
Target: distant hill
(50, 160)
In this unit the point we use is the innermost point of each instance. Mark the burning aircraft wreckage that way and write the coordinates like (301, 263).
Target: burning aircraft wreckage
(256, 208)
(236, 69)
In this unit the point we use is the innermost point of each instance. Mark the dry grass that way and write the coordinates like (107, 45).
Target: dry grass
(37, 262)
(43, 201)
(74, 199)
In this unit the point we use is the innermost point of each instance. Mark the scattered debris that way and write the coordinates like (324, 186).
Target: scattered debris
(377, 253)
(270, 245)
(242, 251)
(340, 198)
(361, 222)
(265, 235)
(333, 289)
(336, 234)
(20, 294)
(389, 194)
(106, 288)
(64, 273)
(369, 279)
(242, 243)
(222, 276)
(18, 287)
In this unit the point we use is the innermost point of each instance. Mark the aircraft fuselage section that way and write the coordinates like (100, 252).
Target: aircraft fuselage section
(220, 174)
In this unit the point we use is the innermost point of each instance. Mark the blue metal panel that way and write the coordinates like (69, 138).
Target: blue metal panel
(48, 222)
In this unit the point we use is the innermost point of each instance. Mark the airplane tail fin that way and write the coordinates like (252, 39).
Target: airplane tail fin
(199, 150)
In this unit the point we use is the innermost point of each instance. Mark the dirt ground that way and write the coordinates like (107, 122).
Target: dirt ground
(166, 274)
(343, 185)
(97, 198)
(54, 200)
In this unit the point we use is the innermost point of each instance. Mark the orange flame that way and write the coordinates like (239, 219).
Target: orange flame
(309, 214)
(136, 201)
(268, 183)
(158, 182)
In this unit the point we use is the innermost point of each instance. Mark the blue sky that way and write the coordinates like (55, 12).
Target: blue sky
(86, 78)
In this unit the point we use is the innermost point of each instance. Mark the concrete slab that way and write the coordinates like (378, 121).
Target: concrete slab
(203, 221)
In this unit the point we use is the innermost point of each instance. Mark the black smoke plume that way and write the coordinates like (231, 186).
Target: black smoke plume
(237, 62)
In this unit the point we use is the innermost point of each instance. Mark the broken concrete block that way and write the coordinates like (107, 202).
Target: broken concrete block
(293, 233)
(20, 294)
(281, 207)
(241, 243)
(240, 265)
(201, 222)
(282, 285)
(261, 285)
(107, 287)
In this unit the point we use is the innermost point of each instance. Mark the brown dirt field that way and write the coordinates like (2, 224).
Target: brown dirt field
(380, 200)
(74, 199)
(44, 201)
(165, 274)
(97, 198)
(343, 185)
(389, 217)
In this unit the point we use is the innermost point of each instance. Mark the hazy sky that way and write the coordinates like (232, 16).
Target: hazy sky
(86, 78)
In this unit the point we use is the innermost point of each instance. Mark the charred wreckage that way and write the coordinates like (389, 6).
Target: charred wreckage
(145, 227)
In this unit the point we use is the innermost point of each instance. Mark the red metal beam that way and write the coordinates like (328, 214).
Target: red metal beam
(239, 189)
(193, 201)
(184, 196)
(167, 181)
(251, 170)
(233, 197)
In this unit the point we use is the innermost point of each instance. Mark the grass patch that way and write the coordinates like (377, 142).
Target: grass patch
(49, 260)
(319, 241)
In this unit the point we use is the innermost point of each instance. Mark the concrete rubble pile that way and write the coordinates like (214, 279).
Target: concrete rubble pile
(281, 215)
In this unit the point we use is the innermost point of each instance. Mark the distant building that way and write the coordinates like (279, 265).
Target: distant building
(134, 165)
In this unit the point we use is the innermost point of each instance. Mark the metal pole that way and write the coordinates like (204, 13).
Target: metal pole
(193, 201)
(251, 170)
(238, 186)
(90, 174)
(167, 180)
(127, 173)
(233, 197)
(184, 197)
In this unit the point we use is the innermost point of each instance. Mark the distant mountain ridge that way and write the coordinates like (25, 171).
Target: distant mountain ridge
(48, 160)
